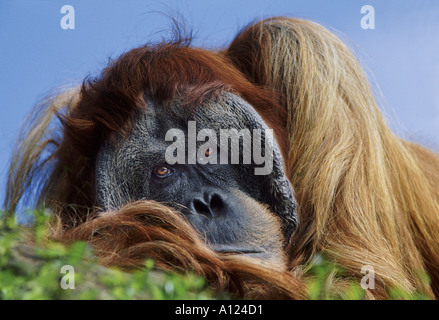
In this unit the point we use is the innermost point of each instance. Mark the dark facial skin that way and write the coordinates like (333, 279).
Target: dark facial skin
(232, 208)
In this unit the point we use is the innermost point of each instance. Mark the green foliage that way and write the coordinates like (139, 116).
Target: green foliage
(34, 272)
(400, 294)
(321, 276)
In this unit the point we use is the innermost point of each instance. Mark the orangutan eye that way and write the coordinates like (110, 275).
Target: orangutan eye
(162, 171)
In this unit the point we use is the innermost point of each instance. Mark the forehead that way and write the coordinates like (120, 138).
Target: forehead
(225, 111)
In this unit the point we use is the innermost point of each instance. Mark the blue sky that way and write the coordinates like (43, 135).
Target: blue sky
(36, 55)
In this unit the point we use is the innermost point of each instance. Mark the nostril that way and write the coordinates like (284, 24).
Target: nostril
(201, 207)
(216, 202)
